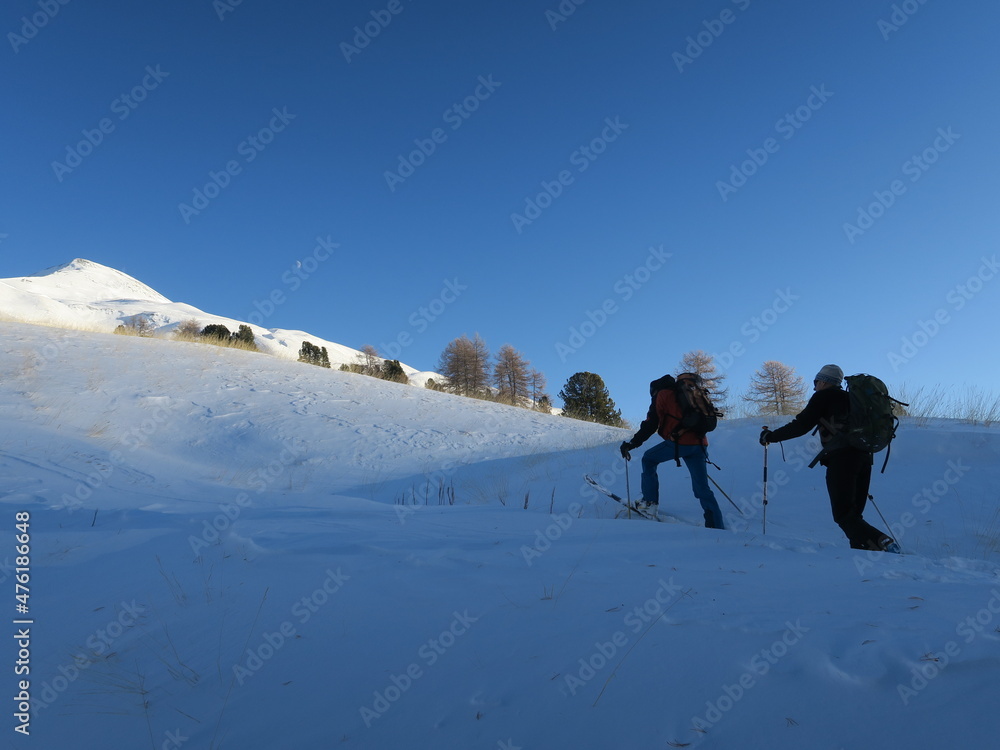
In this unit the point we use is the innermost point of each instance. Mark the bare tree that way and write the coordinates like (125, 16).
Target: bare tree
(776, 389)
(539, 398)
(463, 362)
(369, 361)
(511, 376)
(189, 329)
(703, 364)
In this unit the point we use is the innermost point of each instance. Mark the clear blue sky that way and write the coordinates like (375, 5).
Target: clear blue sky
(634, 114)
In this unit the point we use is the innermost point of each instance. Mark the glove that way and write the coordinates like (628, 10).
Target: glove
(765, 436)
(625, 448)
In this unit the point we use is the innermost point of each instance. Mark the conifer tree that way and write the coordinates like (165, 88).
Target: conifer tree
(586, 397)
(393, 370)
(216, 331)
(245, 336)
(314, 355)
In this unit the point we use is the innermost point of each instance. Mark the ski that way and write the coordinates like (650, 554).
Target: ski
(601, 488)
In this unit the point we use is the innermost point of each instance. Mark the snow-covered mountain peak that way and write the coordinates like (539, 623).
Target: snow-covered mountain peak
(83, 280)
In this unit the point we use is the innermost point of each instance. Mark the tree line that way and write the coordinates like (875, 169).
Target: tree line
(774, 389)
(468, 368)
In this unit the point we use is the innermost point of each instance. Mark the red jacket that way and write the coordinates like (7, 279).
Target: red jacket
(663, 418)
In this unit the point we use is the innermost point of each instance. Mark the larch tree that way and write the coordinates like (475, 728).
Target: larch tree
(539, 398)
(776, 389)
(463, 362)
(511, 376)
(703, 364)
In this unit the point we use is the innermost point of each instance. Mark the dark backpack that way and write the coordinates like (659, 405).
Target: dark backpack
(871, 425)
(698, 413)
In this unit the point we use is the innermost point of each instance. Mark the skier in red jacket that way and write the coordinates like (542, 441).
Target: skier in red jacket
(663, 418)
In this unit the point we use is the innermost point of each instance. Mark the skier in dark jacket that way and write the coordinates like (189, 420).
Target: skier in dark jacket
(848, 470)
(664, 419)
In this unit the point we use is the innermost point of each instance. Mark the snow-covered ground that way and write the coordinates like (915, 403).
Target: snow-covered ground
(229, 550)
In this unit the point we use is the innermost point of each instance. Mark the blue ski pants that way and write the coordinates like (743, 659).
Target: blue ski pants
(695, 458)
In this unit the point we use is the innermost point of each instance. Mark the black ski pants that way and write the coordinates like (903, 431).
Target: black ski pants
(848, 477)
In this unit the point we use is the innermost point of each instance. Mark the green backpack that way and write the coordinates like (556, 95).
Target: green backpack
(871, 424)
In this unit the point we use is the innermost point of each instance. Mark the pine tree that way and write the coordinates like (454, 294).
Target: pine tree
(306, 353)
(510, 376)
(245, 337)
(463, 363)
(216, 331)
(586, 397)
(393, 370)
(703, 364)
(776, 389)
(314, 355)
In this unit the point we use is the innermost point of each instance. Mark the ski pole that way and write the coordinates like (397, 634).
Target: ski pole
(725, 495)
(765, 486)
(628, 490)
(877, 510)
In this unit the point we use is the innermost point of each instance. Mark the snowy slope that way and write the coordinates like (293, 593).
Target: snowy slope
(87, 295)
(220, 559)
